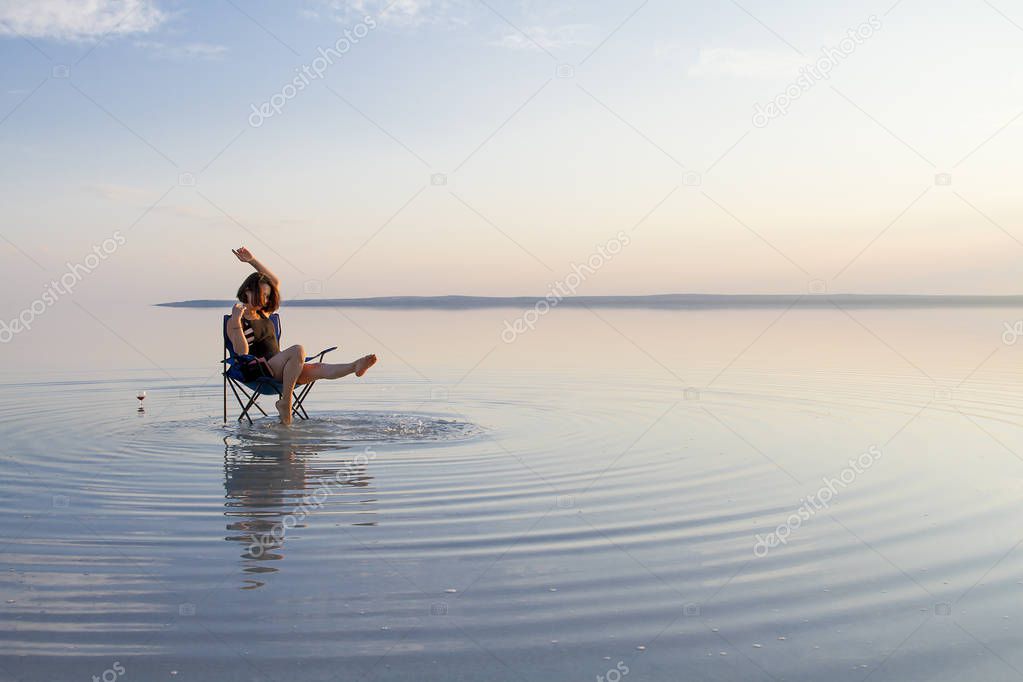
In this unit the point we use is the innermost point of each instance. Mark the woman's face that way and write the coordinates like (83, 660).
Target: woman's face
(264, 296)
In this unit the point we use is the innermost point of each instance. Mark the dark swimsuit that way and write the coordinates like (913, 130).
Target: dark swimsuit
(261, 336)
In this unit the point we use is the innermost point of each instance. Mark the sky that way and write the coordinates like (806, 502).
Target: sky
(488, 147)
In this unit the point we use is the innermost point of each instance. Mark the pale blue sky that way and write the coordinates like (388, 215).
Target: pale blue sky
(540, 169)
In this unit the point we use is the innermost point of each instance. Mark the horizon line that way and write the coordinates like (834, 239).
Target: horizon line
(657, 301)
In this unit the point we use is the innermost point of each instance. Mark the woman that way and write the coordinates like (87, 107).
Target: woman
(251, 331)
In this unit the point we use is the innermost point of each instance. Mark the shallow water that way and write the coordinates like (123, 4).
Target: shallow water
(586, 499)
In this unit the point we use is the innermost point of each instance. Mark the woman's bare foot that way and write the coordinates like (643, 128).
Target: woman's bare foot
(284, 411)
(363, 364)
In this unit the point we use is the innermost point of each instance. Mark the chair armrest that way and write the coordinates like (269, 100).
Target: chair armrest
(320, 354)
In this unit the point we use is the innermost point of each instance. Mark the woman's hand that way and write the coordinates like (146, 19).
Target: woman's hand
(235, 332)
(238, 312)
(245, 256)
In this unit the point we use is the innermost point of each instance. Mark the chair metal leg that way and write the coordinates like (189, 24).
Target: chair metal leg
(260, 408)
(255, 401)
(245, 412)
(298, 407)
(245, 407)
(237, 397)
(305, 389)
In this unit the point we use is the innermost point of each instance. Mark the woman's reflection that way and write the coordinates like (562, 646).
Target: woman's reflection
(274, 489)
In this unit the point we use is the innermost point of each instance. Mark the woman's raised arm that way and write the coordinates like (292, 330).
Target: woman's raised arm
(245, 256)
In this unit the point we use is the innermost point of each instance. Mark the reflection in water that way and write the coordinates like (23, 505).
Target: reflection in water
(272, 489)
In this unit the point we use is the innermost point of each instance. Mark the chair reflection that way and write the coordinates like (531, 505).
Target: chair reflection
(274, 490)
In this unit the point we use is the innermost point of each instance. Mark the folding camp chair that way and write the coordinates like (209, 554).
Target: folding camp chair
(263, 385)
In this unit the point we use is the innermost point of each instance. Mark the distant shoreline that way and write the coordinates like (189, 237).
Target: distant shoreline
(659, 302)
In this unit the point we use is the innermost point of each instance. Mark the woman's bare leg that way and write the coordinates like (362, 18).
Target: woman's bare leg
(314, 371)
(287, 367)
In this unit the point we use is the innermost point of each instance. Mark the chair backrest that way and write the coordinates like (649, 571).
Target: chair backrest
(274, 317)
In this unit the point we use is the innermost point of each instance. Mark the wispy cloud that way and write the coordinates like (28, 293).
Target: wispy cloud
(541, 24)
(78, 20)
(138, 197)
(727, 62)
(122, 193)
(182, 52)
(394, 12)
(550, 37)
(195, 212)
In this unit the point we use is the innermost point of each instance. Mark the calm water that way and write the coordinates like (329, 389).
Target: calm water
(587, 499)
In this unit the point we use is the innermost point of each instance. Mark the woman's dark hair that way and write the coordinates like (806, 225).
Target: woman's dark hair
(253, 283)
